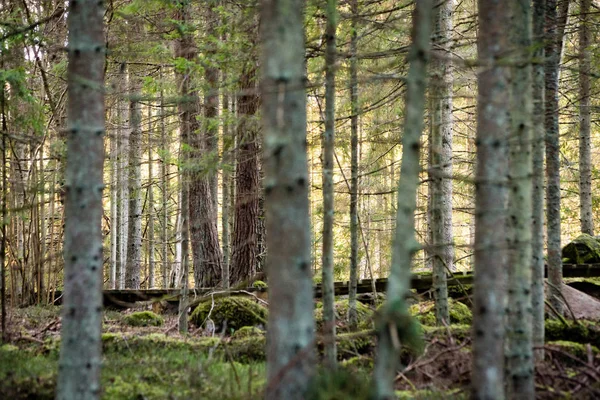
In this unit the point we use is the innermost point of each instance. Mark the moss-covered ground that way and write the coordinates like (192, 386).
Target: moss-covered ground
(148, 359)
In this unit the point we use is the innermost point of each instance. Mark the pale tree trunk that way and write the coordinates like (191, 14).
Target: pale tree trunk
(134, 233)
(519, 350)
(328, 197)
(585, 144)
(80, 350)
(164, 169)
(440, 168)
(114, 210)
(244, 252)
(353, 282)
(226, 183)
(290, 336)
(3, 215)
(553, 51)
(491, 192)
(150, 228)
(395, 319)
(123, 135)
(538, 148)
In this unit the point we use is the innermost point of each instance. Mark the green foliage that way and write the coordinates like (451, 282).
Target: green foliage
(585, 249)
(259, 285)
(233, 312)
(247, 331)
(340, 383)
(409, 331)
(341, 314)
(144, 318)
(425, 312)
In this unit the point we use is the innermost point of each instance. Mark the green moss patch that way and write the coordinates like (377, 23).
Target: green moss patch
(144, 318)
(231, 312)
(582, 332)
(585, 249)
(425, 312)
(341, 307)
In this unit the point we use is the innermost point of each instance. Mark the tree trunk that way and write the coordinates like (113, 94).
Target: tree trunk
(519, 353)
(353, 281)
(290, 337)
(134, 233)
(538, 148)
(226, 177)
(150, 227)
(585, 163)
(81, 345)
(395, 318)
(164, 183)
(490, 203)
(244, 254)
(123, 135)
(553, 52)
(440, 168)
(328, 197)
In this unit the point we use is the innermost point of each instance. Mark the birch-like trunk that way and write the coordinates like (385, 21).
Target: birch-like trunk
(114, 209)
(553, 51)
(440, 159)
(519, 353)
(291, 326)
(134, 233)
(164, 183)
(395, 321)
(150, 228)
(328, 196)
(585, 141)
(353, 282)
(81, 345)
(538, 149)
(123, 134)
(493, 125)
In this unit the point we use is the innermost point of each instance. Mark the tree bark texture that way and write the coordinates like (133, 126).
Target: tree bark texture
(395, 317)
(328, 196)
(538, 149)
(290, 337)
(519, 353)
(81, 346)
(440, 168)
(585, 142)
(493, 125)
(244, 251)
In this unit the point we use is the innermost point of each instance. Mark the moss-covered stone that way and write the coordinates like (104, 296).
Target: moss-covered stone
(232, 312)
(577, 350)
(144, 318)
(582, 332)
(351, 344)
(247, 331)
(425, 312)
(247, 349)
(585, 249)
(259, 285)
(341, 314)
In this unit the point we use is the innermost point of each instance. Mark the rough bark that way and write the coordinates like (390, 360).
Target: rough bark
(352, 313)
(585, 163)
(150, 226)
(290, 337)
(394, 313)
(211, 98)
(538, 149)
(244, 251)
(164, 168)
(123, 136)
(493, 125)
(134, 233)
(80, 352)
(440, 161)
(519, 353)
(328, 197)
(226, 184)
(553, 52)
(114, 209)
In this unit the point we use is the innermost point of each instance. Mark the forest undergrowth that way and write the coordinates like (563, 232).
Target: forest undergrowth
(156, 362)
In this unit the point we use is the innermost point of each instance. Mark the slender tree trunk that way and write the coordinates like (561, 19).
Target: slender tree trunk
(440, 169)
(3, 214)
(290, 337)
(134, 233)
(226, 183)
(538, 148)
(328, 197)
(244, 254)
(395, 317)
(114, 210)
(211, 100)
(353, 282)
(123, 134)
(164, 192)
(519, 353)
(80, 352)
(553, 51)
(150, 228)
(585, 163)
(490, 203)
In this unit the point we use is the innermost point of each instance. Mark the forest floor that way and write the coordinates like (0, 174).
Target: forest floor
(156, 362)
